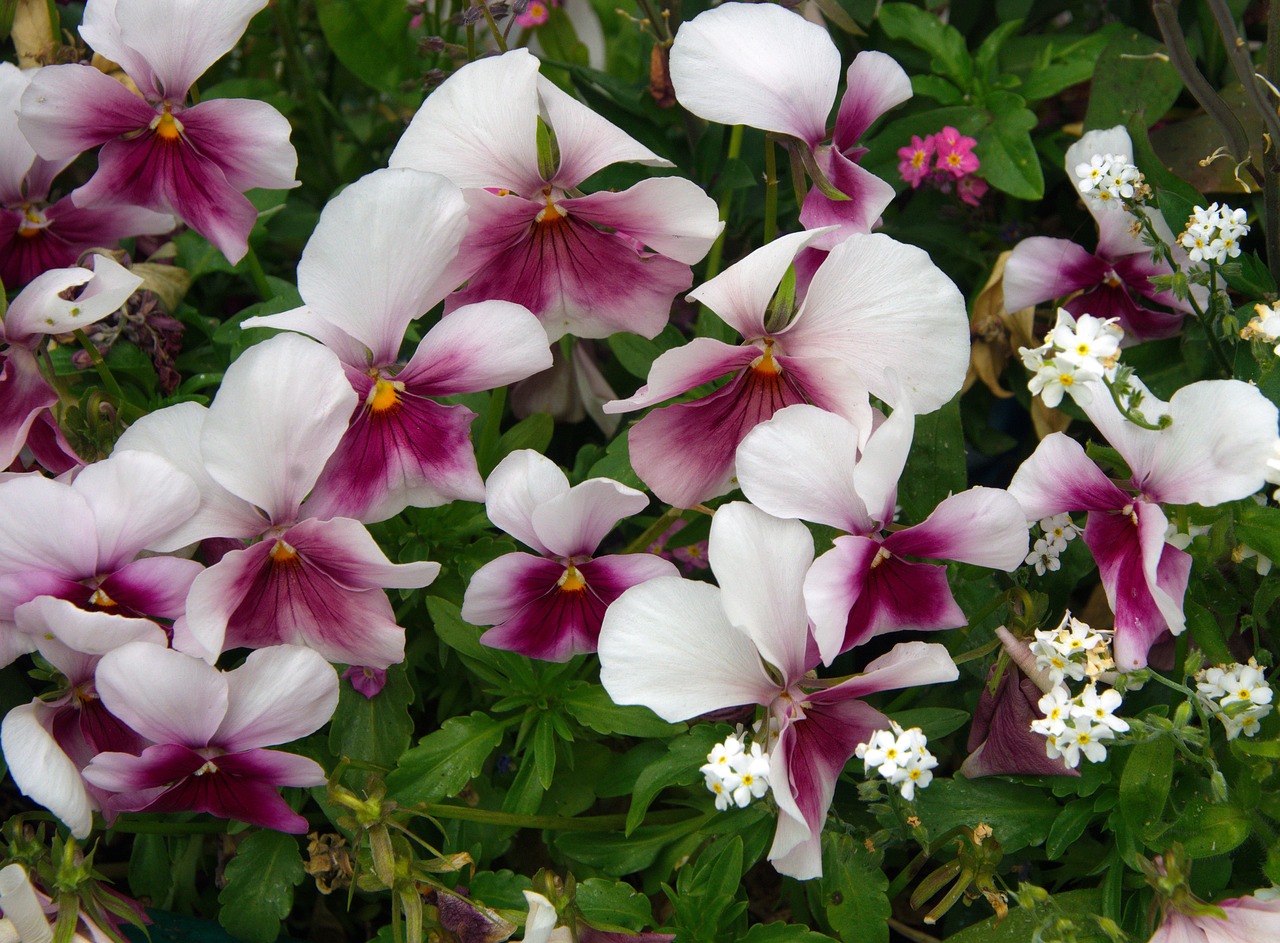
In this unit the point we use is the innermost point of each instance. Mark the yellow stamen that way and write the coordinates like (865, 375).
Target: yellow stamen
(550, 213)
(766, 364)
(283, 553)
(99, 598)
(572, 580)
(384, 395)
(208, 767)
(881, 555)
(167, 127)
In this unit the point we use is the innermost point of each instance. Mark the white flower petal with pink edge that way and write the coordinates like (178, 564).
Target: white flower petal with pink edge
(479, 128)
(459, 355)
(668, 645)
(29, 545)
(280, 694)
(758, 65)
(670, 215)
(883, 306)
(519, 484)
(760, 561)
(906, 665)
(40, 309)
(365, 270)
(801, 464)
(42, 771)
(282, 408)
(84, 631)
(874, 83)
(680, 369)
(573, 524)
(1059, 476)
(982, 526)
(166, 696)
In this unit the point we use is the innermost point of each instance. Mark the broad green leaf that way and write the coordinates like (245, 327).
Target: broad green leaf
(1207, 829)
(372, 39)
(151, 868)
(1249, 275)
(937, 88)
(560, 40)
(1021, 925)
(1068, 826)
(1267, 749)
(1259, 527)
(591, 706)
(783, 933)
(445, 761)
(1144, 786)
(677, 767)
(500, 889)
(984, 60)
(854, 890)
(260, 882)
(936, 464)
(616, 464)
(1207, 633)
(1018, 815)
(1009, 159)
(934, 722)
(924, 30)
(1133, 77)
(532, 432)
(618, 854)
(377, 729)
(613, 904)
(635, 353)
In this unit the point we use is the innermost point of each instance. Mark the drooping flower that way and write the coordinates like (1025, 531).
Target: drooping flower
(551, 606)
(586, 265)
(37, 234)
(1001, 741)
(814, 465)
(868, 306)
(255, 454)
(768, 68)
(382, 255)
(208, 729)
(1114, 281)
(1247, 920)
(158, 152)
(1215, 449)
(684, 648)
(39, 311)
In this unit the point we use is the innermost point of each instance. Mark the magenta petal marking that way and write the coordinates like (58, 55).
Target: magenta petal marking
(868, 197)
(896, 594)
(412, 452)
(874, 83)
(71, 108)
(153, 586)
(1001, 742)
(677, 371)
(24, 393)
(1139, 323)
(685, 452)
(1041, 268)
(252, 148)
(1059, 477)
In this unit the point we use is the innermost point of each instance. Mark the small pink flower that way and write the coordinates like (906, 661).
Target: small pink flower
(535, 14)
(916, 160)
(368, 681)
(971, 189)
(955, 152)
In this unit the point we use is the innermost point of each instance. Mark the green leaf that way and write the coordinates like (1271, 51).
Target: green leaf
(1249, 276)
(1267, 749)
(591, 706)
(1133, 78)
(560, 40)
(1207, 829)
(937, 88)
(1259, 527)
(616, 464)
(945, 44)
(372, 39)
(1019, 815)
(1068, 826)
(783, 933)
(1206, 633)
(151, 868)
(445, 761)
(1175, 208)
(377, 729)
(607, 905)
(1144, 787)
(1009, 159)
(501, 889)
(984, 60)
(706, 903)
(1022, 925)
(934, 722)
(854, 890)
(677, 767)
(635, 353)
(618, 854)
(532, 432)
(935, 466)
(260, 882)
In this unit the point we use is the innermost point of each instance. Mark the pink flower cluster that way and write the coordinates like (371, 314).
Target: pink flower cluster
(536, 13)
(943, 160)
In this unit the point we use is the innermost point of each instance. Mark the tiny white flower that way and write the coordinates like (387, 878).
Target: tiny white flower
(1055, 708)
(1099, 709)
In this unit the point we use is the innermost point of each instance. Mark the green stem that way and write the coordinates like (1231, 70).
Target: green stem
(258, 275)
(726, 203)
(770, 189)
(1129, 413)
(651, 533)
(493, 26)
(584, 823)
(100, 365)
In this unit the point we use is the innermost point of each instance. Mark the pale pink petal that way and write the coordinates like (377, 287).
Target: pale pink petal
(40, 309)
(666, 644)
(832, 586)
(874, 84)
(253, 148)
(503, 588)
(906, 665)
(70, 108)
(884, 456)
(24, 394)
(873, 303)
(586, 141)
(573, 524)
(42, 771)
(740, 295)
(868, 196)
(519, 484)
(137, 500)
(479, 128)
(1060, 477)
(458, 354)
(1041, 268)
(676, 371)
(281, 410)
(173, 433)
(16, 155)
(801, 464)
(278, 695)
(758, 65)
(303, 320)
(83, 631)
(180, 39)
(366, 270)
(28, 543)
(982, 526)
(101, 30)
(760, 562)
(830, 384)
(670, 215)
(164, 695)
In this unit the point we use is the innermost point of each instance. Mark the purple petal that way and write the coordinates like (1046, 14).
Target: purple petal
(24, 393)
(982, 526)
(1060, 477)
(868, 197)
(874, 84)
(252, 148)
(685, 452)
(71, 108)
(576, 278)
(1139, 323)
(1041, 268)
(503, 588)
(153, 586)
(1001, 742)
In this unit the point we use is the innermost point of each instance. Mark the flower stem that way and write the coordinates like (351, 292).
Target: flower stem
(584, 823)
(770, 189)
(258, 275)
(726, 203)
(652, 532)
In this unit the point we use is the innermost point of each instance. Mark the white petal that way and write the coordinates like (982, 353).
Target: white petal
(573, 524)
(80, 630)
(586, 141)
(164, 695)
(16, 155)
(278, 695)
(666, 644)
(463, 358)
(377, 256)
(760, 562)
(27, 541)
(801, 464)
(42, 771)
(39, 309)
(281, 410)
(521, 482)
(883, 458)
(758, 65)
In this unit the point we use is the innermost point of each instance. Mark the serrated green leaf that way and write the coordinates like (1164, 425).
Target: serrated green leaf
(854, 890)
(609, 905)
(591, 706)
(372, 39)
(259, 890)
(375, 730)
(444, 762)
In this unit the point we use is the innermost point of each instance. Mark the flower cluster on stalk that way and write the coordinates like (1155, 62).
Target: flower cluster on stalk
(943, 160)
(1057, 531)
(1111, 177)
(1214, 234)
(1237, 695)
(736, 774)
(901, 757)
